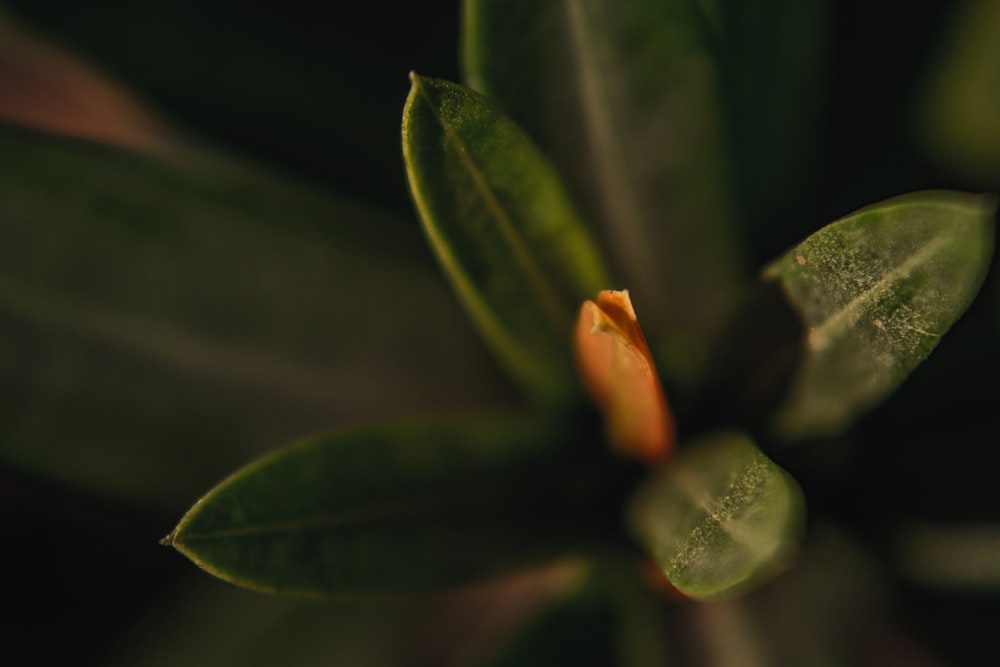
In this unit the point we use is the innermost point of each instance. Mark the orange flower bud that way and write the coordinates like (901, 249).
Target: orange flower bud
(617, 370)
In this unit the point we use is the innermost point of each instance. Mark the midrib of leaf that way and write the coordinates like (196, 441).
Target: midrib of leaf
(720, 510)
(511, 350)
(623, 207)
(550, 301)
(370, 515)
(835, 325)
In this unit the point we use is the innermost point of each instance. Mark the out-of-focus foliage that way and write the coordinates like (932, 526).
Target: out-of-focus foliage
(167, 314)
(960, 118)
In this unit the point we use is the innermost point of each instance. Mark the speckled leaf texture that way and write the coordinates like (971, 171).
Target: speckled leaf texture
(721, 519)
(875, 291)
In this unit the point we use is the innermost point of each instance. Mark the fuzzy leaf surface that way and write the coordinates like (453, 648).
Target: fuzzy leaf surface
(503, 229)
(720, 519)
(875, 291)
(385, 508)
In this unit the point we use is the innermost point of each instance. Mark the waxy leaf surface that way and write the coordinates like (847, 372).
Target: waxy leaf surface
(502, 228)
(390, 507)
(876, 290)
(720, 518)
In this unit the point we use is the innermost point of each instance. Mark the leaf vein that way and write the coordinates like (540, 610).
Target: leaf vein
(823, 333)
(547, 295)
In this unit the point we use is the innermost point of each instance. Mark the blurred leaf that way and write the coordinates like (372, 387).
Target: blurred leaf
(960, 115)
(624, 97)
(720, 519)
(958, 557)
(269, 82)
(876, 290)
(576, 631)
(163, 322)
(829, 611)
(609, 618)
(47, 88)
(502, 228)
(772, 61)
(203, 621)
(407, 506)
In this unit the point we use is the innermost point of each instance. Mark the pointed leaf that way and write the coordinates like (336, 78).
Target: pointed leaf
(876, 290)
(624, 97)
(161, 323)
(502, 227)
(721, 518)
(385, 508)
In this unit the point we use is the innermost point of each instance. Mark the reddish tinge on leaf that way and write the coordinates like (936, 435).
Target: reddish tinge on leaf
(44, 87)
(618, 371)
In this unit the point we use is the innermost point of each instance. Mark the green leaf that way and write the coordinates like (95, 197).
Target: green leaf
(162, 323)
(876, 290)
(503, 229)
(624, 98)
(720, 519)
(411, 506)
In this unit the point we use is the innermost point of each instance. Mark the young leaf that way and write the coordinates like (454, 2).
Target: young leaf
(619, 373)
(384, 508)
(163, 322)
(624, 97)
(719, 519)
(876, 290)
(502, 227)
